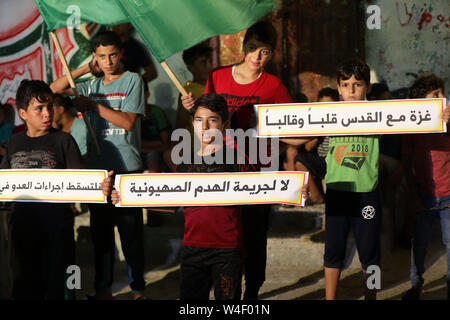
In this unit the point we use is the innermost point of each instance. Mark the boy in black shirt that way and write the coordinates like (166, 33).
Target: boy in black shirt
(42, 239)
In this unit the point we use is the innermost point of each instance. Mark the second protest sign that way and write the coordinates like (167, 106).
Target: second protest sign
(210, 189)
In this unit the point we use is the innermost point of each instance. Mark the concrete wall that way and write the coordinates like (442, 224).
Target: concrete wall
(413, 39)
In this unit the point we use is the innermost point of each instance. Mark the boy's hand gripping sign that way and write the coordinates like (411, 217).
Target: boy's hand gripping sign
(351, 118)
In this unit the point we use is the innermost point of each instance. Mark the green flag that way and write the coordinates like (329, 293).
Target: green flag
(166, 26)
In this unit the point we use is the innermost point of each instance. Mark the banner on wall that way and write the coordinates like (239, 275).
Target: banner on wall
(27, 52)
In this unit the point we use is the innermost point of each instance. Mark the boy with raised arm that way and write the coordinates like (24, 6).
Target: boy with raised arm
(115, 103)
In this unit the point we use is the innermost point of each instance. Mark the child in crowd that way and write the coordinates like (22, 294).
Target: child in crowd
(313, 158)
(42, 239)
(292, 151)
(6, 129)
(155, 136)
(391, 180)
(115, 104)
(65, 118)
(427, 168)
(351, 201)
(211, 252)
(198, 62)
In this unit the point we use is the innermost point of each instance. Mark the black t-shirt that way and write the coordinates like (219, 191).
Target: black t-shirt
(207, 165)
(55, 150)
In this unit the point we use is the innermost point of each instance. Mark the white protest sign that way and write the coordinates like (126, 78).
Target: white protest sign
(351, 118)
(48, 185)
(210, 189)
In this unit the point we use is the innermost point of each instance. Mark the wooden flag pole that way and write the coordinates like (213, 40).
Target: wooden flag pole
(172, 77)
(74, 89)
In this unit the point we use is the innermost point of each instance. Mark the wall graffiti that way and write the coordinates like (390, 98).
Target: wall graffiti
(418, 30)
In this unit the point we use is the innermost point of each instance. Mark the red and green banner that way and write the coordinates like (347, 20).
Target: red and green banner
(27, 51)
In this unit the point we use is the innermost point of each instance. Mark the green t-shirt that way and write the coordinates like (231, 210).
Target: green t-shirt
(352, 163)
(120, 148)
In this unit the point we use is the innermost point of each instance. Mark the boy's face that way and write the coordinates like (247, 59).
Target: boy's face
(257, 54)
(201, 68)
(38, 117)
(108, 58)
(353, 89)
(435, 94)
(204, 119)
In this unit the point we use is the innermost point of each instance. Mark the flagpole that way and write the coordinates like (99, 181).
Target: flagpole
(74, 89)
(172, 77)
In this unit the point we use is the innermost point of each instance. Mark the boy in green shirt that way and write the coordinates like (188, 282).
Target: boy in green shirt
(351, 200)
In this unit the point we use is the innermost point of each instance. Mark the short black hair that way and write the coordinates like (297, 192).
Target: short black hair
(377, 90)
(29, 89)
(353, 67)
(191, 54)
(300, 97)
(63, 101)
(328, 92)
(214, 102)
(263, 32)
(424, 85)
(106, 38)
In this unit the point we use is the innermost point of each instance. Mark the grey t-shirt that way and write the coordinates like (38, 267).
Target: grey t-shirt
(79, 132)
(120, 148)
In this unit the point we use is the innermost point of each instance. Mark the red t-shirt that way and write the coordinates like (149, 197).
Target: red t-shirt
(241, 97)
(213, 226)
(430, 154)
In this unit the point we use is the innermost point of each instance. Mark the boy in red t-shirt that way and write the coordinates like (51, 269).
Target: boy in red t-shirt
(211, 252)
(427, 171)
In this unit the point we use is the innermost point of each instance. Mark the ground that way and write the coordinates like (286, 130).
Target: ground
(294, 264)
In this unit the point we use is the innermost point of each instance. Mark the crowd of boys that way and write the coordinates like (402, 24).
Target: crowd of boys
(134, 136)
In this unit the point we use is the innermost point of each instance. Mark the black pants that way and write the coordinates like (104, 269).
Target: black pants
(39, 260)
(130, 225)
(255, 223)
(202, 268)
(356, 211)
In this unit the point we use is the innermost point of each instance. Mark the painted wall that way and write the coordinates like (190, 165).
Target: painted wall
(413, 39)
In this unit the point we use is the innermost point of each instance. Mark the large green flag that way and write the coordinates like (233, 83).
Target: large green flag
(166, 26)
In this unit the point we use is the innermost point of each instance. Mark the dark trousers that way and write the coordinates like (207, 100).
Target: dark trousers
(130, 225)
(202, 268)
(255, 223)
(39, 260)
(356, 211)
